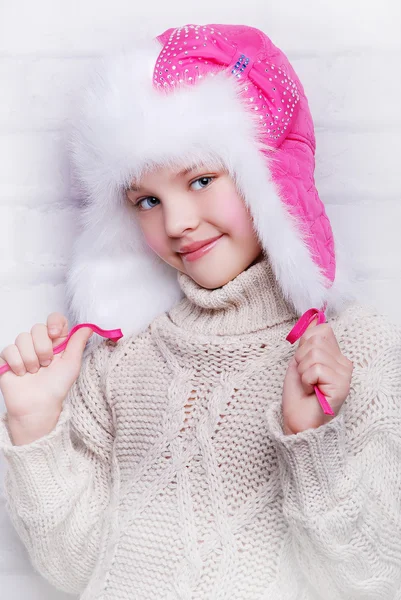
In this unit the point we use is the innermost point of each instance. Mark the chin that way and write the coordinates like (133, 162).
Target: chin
(215, 276)
(212, 283)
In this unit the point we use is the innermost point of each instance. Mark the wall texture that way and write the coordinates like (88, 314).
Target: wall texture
(347, 54)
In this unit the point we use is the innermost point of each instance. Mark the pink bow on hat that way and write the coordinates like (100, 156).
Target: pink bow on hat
(193, 51)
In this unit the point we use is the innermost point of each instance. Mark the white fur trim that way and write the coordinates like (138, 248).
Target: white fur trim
(114, 280)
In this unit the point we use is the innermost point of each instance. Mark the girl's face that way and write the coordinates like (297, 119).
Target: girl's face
(196, 221)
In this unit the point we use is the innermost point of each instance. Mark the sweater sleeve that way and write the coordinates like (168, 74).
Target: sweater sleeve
(342, 482)
(59, 487)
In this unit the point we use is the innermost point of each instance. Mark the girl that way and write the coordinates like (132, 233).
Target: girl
(192, 459)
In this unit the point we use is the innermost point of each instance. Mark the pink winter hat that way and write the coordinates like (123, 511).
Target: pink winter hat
(196, 94)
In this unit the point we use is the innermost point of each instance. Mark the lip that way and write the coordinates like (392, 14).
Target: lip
(198, 249)
(196, 245)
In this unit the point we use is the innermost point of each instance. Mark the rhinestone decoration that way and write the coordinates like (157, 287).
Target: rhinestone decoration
(195, 51)
(240, 65)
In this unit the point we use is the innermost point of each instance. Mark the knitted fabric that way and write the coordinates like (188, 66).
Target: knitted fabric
(168, 475)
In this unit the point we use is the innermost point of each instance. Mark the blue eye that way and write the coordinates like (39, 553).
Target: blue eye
(202, 182)
(150, 199)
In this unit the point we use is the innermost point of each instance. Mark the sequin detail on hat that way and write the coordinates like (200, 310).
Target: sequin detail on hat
(194, 52)
(240, 65)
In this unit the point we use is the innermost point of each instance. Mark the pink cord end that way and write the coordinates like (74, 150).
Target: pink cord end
(323, 402)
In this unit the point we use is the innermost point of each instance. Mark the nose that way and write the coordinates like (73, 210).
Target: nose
(180, 216)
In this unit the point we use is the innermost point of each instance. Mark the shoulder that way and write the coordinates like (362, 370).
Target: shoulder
(110, 363)
(373, 344)
(364, 331)
(101, 359)
(102, 354)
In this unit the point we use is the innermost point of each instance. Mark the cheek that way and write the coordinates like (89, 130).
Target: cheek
(237, 221)
(154, 244)
(154, 236)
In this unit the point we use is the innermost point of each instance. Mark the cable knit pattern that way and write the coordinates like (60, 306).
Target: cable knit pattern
(168, 475)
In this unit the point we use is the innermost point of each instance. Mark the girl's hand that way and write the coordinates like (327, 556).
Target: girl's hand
(38, 382)
(317, 361)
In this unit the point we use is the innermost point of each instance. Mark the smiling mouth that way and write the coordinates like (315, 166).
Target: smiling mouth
(200, 251)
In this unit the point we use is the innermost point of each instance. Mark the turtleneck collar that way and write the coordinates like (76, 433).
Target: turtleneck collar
(251, 302)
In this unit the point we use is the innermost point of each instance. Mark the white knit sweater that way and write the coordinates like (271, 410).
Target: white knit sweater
(168, 475)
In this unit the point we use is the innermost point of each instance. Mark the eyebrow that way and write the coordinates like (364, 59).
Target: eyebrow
(132, 188)
(136, 188)
(188, 170)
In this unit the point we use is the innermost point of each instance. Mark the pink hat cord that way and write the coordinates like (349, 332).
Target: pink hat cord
(112, 334)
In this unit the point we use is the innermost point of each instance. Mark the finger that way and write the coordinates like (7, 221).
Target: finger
(26, 348)
(2, 359)
(42, 344)
(323, 332)
(318, 356)
(76, 344)
(317, 343)
(318, 375)
(12, 357)
(57, 325)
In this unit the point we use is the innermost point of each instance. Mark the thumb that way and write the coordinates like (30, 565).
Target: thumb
(292, 386)
(313, 323)
(76, 344)
(292, 372)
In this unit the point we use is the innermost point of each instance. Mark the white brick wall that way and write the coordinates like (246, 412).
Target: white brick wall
(347, 54)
